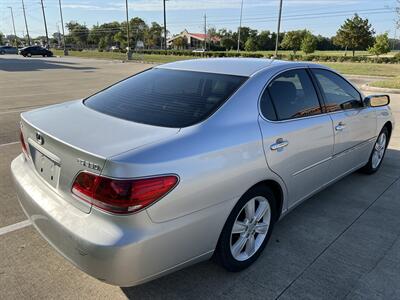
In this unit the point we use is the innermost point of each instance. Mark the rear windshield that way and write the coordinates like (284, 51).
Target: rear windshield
(168, 98)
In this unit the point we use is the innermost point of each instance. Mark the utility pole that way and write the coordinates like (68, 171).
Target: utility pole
(45, 25)
(205, 33)
(26, 24)
(63, 32)
(15, 33)
(128, 53)
(240, 25)
(279, 28)
(58, 35)
(165, 26)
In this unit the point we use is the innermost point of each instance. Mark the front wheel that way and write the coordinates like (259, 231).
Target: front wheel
(29, 54)
(378, 153)
(247, 230)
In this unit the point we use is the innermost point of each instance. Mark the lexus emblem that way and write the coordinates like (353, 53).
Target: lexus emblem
(39, 138)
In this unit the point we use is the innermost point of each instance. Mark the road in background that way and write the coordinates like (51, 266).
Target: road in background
(342, 243)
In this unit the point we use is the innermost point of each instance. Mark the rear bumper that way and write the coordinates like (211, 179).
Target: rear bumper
(120, 250)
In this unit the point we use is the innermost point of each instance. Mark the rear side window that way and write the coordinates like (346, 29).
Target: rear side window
(290, 95)
(168, 98)
(338, 93)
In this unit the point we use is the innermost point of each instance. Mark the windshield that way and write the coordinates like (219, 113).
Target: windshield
(168, 98)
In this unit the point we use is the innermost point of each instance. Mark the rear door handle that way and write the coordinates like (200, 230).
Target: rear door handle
(279, 144)
(340, 127)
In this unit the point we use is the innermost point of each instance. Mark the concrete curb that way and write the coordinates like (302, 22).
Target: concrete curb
(369, 88)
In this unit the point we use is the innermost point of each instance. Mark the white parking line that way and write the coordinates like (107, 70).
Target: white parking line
(8, 144)
(13, 227)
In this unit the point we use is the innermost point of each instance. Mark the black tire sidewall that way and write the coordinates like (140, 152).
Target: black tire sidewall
(223, 253)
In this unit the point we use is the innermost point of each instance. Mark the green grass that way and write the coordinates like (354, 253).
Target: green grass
(391, 71)
(386, 70)
(321, 53)
(150, 58)
(389, 84)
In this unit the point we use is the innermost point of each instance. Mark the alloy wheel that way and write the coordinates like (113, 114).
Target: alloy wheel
(250, 228)
(379, 150)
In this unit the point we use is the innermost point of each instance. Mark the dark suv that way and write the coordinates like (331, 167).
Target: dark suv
(35, 50)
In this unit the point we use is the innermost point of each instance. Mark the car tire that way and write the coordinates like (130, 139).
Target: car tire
(378, 153)
(29, 55)
(247, 229)
(2, 52)
(44, 55)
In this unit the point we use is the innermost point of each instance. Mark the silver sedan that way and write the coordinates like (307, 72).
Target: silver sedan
(191, 160)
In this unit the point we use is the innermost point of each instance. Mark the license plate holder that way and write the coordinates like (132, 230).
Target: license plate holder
(48, 169)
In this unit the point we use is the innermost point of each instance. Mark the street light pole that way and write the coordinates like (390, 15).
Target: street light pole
(15, 33)
(240, 25)
(26, 24)
(62, 26)
(45, 25)
(128, 53)
(165, 26)
(279, 28)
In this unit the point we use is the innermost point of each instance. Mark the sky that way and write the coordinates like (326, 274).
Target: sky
(320, 16)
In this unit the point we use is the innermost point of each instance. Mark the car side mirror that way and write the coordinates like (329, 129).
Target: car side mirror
(377, 100)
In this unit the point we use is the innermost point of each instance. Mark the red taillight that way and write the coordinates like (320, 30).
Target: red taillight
(121, 196)
(23, 145)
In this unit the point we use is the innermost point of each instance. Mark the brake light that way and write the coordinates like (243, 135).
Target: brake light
(23, 145)
(121, 196)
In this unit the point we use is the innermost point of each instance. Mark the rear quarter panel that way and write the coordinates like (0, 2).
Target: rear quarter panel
(217, 160)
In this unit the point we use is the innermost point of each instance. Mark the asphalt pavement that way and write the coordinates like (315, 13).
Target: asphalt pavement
(342, 243)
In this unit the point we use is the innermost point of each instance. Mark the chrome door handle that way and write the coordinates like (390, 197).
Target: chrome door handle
(280, 143)
(340, 127)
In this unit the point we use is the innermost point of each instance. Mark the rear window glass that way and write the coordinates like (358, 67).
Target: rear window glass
(168, 98)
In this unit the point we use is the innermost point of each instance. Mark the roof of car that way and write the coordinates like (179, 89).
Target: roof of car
(231, 66)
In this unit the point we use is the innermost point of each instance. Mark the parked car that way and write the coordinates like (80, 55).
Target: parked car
(199, 50)
(190, 160)
(35, 50)
(8, 50)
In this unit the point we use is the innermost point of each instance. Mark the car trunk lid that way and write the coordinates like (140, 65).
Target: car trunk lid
(68, 138)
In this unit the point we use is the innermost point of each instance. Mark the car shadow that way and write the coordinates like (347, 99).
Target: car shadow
(301, 247)
(36, 64)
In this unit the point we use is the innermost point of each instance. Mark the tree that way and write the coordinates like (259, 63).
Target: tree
(139, 30)
(250, 44)
(381, 45)
(355, 34)
(309, 43)
(1, 38)
(227, 40)
(292, 40)
(179, 43)
(102, 44)
(245, 33)
(264, 41)
(153, 38)
(78, 33)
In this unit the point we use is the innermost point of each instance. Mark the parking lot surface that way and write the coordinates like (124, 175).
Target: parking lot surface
(342, 243)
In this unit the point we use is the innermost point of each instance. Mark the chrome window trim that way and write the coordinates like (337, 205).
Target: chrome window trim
(340, 76)
(307, 117)
(270, 80)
